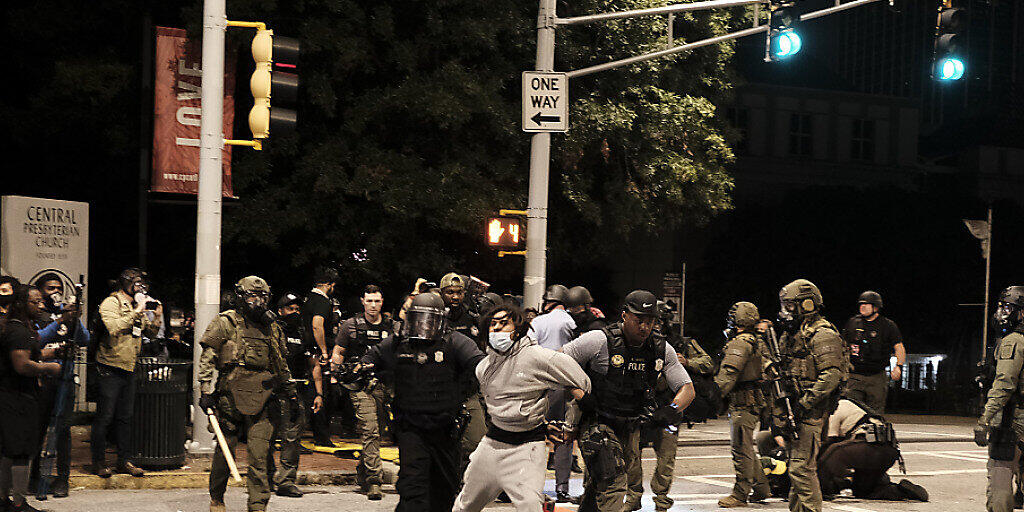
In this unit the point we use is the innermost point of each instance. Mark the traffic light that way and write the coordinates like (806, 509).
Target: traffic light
(271, 87)
(783, 30)
(949, 47)
(505, 232)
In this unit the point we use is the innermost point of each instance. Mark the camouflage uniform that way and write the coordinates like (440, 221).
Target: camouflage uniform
(739, 378)
(815, 355)
(247, 356)
(1003, 416)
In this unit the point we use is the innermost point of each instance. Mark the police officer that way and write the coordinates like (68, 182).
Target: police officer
(578, 302)
(1001, 425)
(663, 431)
(872, 339)
(739, 378)
(304, 368)
(812, 352)
(356, 336)
(624, 362)
(427, 361)
(463, 321)
(246, 348)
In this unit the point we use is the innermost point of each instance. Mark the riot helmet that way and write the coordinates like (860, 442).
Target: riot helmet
(870, 297)
(556, 294)
(798, 300)
(489, 301)
(425, 318)
(1007, 315)
(252, 296)
(578, 296)
(741, 316)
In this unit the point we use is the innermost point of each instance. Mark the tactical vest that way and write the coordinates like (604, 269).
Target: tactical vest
(632, 376)
(804, 365)
(747, 391)
(245, 362)
(366, 335)
(426, 377)
(249, 346)
(867, 353)
(297, 354)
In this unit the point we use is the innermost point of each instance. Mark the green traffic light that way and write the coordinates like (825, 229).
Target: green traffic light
(950, 68)
(786, 44)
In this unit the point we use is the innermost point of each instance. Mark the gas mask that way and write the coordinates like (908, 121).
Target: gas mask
(1006, 317)
(790, 316)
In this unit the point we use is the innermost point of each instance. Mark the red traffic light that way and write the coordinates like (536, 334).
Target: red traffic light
(505, 233)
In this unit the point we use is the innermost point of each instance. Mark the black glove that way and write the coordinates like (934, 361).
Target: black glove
(274, 383)
(207, 402)
(981, 435)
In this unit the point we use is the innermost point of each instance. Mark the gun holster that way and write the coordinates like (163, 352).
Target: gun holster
(1002, 444)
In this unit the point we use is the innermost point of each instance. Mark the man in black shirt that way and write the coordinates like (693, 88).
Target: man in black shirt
(304, 368)
(872, 339)
(316, 318)
(460, 318)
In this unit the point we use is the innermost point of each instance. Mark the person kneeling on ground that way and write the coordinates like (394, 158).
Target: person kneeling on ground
(859, 450)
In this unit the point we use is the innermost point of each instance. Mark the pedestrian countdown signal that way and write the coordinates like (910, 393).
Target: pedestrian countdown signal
(505, 233)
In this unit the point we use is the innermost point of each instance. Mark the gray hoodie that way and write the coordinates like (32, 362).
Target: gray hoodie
(515, 385)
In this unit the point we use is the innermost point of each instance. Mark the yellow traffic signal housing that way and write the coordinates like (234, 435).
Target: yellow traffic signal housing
(269, 84)
(505, 232)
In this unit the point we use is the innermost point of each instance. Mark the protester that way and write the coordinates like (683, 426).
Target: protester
(7, 284)
(20, 369)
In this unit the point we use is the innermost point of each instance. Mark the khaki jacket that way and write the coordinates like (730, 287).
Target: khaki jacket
(125, 328)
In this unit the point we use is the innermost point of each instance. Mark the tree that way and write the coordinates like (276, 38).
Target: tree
(409, 135)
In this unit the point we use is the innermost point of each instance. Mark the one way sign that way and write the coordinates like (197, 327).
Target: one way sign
(545, 102)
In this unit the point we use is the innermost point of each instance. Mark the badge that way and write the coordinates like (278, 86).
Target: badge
(421, 358)
(874, 334)
(618, 360)
(62, 330)
(472, 330)
(658, 363)
(439, 356)
(136, 331)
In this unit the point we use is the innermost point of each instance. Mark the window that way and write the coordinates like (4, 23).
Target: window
(737, 118)
(862, 146)
(800, 136)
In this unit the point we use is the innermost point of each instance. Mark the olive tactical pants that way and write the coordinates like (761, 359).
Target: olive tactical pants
(257, 430)
(805, 491)
(665, 443)
(749, 475)
(1003, 462)
(369, 405)
(608, 453)
(870, 390)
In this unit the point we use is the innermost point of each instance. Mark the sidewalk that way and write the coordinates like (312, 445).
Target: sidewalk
(314, 469)
(324, 469)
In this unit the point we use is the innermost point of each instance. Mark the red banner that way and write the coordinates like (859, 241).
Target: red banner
(176, 114)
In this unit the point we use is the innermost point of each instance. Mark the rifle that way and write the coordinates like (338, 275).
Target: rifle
(784, 386)
(68, 379)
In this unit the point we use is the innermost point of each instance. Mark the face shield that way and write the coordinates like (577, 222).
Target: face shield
(423, 323)
(255, 301)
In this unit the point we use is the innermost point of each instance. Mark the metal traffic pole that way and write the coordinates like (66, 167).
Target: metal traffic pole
(988, 267)
(540, 162)
(208, 222)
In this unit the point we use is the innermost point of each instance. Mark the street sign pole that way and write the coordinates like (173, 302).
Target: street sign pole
(211, 148)
(540, 161)
(988, 267)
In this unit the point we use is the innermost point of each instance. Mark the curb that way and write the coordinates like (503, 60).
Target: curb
(201, 479)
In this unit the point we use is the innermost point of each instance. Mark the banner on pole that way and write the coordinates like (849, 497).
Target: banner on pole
(177, 114)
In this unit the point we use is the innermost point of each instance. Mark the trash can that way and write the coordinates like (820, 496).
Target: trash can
(162, 401)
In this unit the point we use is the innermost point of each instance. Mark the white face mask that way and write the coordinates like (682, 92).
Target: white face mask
(500, 341)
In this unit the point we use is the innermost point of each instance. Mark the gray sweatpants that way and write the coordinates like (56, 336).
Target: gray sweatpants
(519, 470)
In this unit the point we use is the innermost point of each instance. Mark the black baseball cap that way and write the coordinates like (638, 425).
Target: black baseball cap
(288, 299)
(641, 302)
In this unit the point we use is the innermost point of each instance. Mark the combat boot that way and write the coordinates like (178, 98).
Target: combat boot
(731, 501)
(374, 493)
(760, 495)
(217, 506)
(913, 490)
